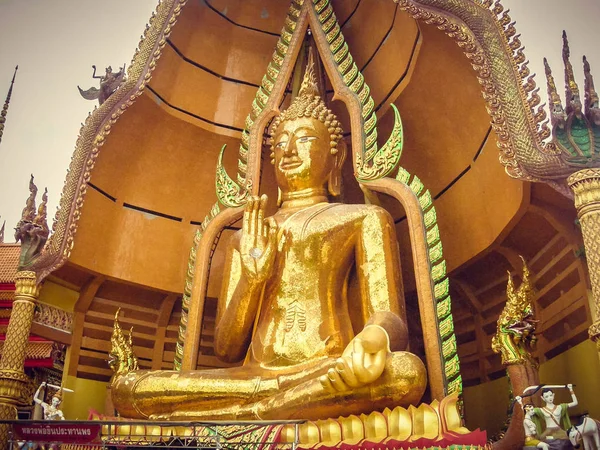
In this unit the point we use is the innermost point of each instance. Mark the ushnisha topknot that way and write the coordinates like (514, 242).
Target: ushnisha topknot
(308, 103)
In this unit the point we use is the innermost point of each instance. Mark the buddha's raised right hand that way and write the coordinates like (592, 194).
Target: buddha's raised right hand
(258, 241)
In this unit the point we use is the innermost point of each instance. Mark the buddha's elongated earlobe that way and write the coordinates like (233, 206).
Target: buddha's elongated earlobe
(334, 184)
(279, 197)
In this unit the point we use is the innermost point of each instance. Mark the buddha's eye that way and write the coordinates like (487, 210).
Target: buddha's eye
(281, 144)
(304, 139)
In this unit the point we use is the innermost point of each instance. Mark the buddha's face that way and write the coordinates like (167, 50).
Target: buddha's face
(302, 154)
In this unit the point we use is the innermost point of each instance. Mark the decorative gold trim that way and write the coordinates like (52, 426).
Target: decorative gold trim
(586, 186)
(432, 422)
(26, 287)
(94, 131)
(53, 317)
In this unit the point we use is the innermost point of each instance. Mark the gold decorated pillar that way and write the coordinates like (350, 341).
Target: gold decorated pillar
(586, 187)
(32, 232)
(575, 139)
(12, 376)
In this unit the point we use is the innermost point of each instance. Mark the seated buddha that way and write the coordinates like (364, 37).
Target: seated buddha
(310, 348)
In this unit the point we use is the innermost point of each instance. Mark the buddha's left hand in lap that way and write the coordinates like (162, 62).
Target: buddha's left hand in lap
(361, 363)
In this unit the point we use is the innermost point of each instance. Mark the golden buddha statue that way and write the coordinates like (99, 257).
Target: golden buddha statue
(311, 348)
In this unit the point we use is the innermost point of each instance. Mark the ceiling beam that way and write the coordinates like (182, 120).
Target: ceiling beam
(86, 296)
(166, 308)
(512, 256)
(87, 293)
(555, 217)
(467, 291)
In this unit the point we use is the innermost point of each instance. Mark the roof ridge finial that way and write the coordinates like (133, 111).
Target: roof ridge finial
(6, 103)
(592, 103)
(40, 218)
(29, 212)
(557, 112)
(572, 90)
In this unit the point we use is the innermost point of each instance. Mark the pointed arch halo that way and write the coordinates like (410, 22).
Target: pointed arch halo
(371, 166)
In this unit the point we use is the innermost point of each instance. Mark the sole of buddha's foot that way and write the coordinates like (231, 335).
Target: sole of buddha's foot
(160, 417)
(234, 412)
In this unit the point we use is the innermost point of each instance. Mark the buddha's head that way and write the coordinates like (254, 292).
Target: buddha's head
(305, 142)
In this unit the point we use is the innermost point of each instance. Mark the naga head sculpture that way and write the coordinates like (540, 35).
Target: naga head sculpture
(516, 325)
(32, 230)
(121, 358)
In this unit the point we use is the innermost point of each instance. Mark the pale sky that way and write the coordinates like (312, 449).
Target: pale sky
(56, 42)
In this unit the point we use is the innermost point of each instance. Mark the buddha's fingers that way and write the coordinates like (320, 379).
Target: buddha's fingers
(336, 381)
(342, 366)
(271, 227)
(367, 366)
(358, 362)
(262, 204)
(271, 241)
(378, 364)
(246, 219)
(326, 383)
(253, 214)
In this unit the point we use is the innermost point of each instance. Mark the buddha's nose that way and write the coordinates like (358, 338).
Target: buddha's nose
(290, 149)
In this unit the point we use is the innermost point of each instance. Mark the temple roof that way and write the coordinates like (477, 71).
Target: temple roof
(35, 352)
(9, 260)
(153, 181)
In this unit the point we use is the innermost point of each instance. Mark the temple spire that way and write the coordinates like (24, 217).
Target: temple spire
(6, 103)
(557, 112)
(572, 90)
(592, 103)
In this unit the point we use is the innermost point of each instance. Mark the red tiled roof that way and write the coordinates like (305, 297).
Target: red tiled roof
(6, 296)
(35, 349)
(9, 260)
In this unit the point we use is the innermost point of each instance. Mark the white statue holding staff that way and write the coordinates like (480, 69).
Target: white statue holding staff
(51, 411)
(551, 421)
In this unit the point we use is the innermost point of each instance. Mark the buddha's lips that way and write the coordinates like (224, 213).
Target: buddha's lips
(290, 164)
